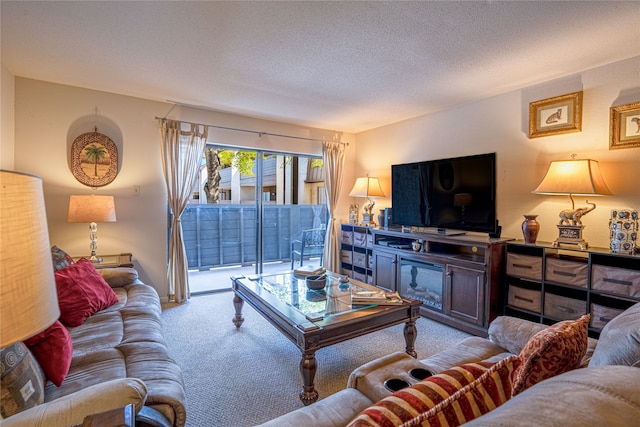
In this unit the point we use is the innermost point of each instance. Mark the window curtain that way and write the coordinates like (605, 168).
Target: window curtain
(333, 158)
(181, 158)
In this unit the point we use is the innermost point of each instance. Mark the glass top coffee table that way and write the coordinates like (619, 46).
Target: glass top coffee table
(316, 319)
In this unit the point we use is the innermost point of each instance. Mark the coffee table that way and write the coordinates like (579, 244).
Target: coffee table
(316, 319)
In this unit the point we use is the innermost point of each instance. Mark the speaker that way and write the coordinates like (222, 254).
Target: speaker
(387, 218)
(496, 234)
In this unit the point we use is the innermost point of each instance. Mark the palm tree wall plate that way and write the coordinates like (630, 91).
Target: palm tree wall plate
(94, 159)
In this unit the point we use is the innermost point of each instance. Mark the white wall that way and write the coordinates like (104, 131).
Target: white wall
(7, 99)
(48, 117)
(500, 124)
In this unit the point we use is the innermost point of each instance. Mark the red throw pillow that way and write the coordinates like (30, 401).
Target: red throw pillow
(406, 404)
(53, 349)
(82, 292)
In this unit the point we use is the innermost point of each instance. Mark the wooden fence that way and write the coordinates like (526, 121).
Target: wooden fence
(217, 235)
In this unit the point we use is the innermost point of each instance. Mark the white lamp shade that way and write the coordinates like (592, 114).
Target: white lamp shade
(366, 187)
(28, 300)
(576, 177)
(91, 208)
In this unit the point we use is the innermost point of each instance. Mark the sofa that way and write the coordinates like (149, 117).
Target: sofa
(603, 390)
(119, 357)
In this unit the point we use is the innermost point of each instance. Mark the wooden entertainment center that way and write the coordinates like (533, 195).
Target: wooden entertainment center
(457, 276)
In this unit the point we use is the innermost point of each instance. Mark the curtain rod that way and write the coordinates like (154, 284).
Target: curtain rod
(251, 131)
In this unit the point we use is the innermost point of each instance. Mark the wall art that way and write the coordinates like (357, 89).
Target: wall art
(624, 126)
(553, 116)
(94, 159)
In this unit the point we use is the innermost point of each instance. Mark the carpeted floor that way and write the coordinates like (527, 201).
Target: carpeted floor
(243, 377)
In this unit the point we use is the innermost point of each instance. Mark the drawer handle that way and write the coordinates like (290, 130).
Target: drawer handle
(566, 309)
(524, 299)
(523, 266)
(617, 282)
(564, 273)
(604, 319)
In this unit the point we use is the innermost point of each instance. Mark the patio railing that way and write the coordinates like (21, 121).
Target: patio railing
(217, 235)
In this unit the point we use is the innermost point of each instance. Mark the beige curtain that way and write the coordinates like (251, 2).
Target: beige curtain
(333, 158)
(181, 157)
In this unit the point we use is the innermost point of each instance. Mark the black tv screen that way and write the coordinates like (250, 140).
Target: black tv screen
(457, 193)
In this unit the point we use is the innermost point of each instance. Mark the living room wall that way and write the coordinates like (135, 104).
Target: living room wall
(48, 117)
(500, 124)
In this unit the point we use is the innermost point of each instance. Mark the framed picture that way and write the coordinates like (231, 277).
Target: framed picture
(553, 116)
(624, 126)
(94, 159)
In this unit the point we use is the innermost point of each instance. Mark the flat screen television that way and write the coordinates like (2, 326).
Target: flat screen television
(446, 194)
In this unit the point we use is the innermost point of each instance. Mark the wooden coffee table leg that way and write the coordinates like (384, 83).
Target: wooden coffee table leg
(308, 367)
(237, 303)
(410, 334)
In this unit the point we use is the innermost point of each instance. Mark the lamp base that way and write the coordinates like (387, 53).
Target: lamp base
(367, 220)
(570, 235)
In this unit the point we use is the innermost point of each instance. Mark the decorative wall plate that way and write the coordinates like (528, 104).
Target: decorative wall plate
(94, 159)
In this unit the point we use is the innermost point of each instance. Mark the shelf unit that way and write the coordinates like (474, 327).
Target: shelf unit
(356, 247)
(548, 284)
(457, 277)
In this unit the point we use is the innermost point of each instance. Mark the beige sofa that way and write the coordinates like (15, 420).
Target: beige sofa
(119, 357)
(605, 392)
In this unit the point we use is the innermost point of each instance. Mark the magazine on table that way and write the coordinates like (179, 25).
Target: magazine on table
(362, 296)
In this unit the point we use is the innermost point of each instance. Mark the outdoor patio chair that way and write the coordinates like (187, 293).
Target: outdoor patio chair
(310, 244)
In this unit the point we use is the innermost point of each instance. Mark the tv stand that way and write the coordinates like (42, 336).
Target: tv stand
(457, 277)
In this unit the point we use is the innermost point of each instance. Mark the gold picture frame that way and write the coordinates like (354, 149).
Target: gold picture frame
(553, 116)
(624, 126)
(94, 159)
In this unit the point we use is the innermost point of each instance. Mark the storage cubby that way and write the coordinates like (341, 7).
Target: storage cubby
(355, 252)
(570, 282)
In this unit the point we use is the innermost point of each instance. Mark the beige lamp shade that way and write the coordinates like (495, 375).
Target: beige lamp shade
(91, 208)
(573, 177)
(366, 187)
(28, 300)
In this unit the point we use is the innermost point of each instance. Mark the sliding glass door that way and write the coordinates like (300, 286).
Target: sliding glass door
(249, 212)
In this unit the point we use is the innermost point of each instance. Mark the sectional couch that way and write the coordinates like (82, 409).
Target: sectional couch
(119, 357)
(604, 390)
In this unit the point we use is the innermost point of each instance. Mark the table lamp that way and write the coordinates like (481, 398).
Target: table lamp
(92, 209)
(28, 299)
(579, 177)
(369, 188)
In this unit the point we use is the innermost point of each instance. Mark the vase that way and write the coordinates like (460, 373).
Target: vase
(623, 230)
(530, 228)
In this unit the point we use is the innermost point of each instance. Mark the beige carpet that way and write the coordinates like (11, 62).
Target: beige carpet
(243, 377)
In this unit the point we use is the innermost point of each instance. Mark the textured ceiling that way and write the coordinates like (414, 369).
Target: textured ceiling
(345, 66)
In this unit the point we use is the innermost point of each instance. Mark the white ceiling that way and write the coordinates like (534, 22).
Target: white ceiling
(344, 66)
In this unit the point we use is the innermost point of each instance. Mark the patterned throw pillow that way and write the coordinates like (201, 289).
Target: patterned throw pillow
(60, 258)
(21, 380)
(82, 292)
(491, 390)
(552, 351)
(406, 404)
